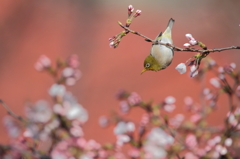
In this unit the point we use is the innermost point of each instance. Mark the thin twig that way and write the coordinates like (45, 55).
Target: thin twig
(178, 48)
(9, 111)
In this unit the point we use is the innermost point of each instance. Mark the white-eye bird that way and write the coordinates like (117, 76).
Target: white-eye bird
(160, 55)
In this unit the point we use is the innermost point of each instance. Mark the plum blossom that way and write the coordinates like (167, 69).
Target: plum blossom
(181, 68)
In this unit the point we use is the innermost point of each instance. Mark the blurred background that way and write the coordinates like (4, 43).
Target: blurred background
(59, 28)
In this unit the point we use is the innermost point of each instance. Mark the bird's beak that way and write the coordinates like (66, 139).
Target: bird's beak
(144, 70)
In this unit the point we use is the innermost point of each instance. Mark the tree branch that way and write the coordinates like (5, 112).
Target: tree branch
(203, 51)
(10, 112)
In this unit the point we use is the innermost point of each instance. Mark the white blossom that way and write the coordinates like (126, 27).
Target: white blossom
(215, 82)
(181, 68)
(57, 90)
(76, 111)
(156, 141)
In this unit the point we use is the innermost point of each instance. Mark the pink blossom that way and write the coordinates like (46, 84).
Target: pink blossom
(124, 106)
(134, 153)
(195, 118)
(70, 81)
(220, 69)
(42, 63)
(81, 142)
(76, 131)
(134, 99)
(221, 149)
(12, 126)
(233, 65)
(138, 13)
(190, 155)
(177, 120)
(103, 121)
(130, 9)
(169, 107)
(145, 119)
(193, 42)
(73, 61)
(188, 101)
(189, 37)
(40, 112)
(191, 141)
(92, 145)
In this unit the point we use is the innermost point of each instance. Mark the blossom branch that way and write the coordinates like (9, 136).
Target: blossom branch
(10, 112)
(204, 51)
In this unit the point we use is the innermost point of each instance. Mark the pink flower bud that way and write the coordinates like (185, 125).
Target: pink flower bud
(193, 42)
(189, 37)
(130, 8)
(194, 71)
(111, 44)
(73, 61)
(138, 13)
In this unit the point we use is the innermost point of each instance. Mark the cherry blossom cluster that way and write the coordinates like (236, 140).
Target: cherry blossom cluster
(115, 40)
(66, 72)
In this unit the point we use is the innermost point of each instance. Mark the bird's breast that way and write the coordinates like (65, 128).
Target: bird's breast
(162, 54)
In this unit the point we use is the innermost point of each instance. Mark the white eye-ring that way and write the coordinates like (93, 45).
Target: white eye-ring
(147, 65)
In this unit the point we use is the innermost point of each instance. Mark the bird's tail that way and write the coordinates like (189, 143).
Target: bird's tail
(167, 34)
(170, 23)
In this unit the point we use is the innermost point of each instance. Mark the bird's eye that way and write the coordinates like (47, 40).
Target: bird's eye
(147, 65)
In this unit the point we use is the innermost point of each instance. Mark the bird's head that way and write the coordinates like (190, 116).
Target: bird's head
(151, 64)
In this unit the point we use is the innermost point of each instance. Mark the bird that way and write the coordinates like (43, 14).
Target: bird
(161, 56)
